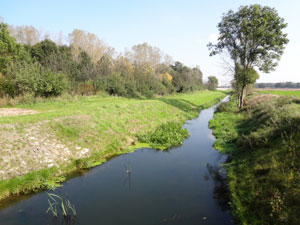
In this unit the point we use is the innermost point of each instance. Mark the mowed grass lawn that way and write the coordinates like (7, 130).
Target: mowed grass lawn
(82, 132)
(288, 92)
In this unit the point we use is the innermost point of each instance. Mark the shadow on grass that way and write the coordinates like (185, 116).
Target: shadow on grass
(181, 104)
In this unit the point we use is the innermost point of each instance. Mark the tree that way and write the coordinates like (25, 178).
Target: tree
(10, 50)
(104, 66)
(25, 34)
(86, 67)
(253, 38)
(43, 50)
(90, 43)
(212, 83)
(142, 54)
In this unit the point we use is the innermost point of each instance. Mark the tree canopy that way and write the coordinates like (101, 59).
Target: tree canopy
(212, 83)
(253, 37)
(33, 66)
(10, 50)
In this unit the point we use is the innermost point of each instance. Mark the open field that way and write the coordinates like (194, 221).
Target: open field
(282, 92)
(62, 136)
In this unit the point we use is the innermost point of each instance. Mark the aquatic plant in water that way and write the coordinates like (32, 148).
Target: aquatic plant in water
(165, 136)
(59, 205)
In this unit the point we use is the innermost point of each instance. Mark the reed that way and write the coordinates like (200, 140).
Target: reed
(59, 205)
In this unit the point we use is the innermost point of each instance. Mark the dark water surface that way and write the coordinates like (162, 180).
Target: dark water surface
(181, 186)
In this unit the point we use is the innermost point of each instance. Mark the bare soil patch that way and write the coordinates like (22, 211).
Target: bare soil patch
(16, 112)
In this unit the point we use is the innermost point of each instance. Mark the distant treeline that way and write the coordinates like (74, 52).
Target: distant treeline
(35, 65)
(277, 85)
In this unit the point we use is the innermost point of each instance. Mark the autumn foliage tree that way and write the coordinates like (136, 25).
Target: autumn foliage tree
(27, 35)
(89, 43)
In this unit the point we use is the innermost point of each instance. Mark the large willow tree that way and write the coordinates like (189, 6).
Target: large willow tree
(253, 38)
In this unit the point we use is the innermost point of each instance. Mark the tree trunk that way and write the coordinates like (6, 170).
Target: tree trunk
(242, 97)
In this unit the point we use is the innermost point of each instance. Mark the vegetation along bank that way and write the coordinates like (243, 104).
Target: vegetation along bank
(263, 140)
(53, 133)
(64, 135)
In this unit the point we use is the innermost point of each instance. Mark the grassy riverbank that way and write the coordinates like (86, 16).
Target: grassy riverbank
(264, 173)
(39, 150)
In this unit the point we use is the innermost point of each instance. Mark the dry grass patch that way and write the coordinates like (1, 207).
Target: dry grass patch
(16, 112)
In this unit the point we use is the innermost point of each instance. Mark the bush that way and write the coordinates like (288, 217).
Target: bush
(115, 85)
(86, 88)
(34, 79)
(168, 86)
(223, 107)
(53, 84)
(2, 85)
(165, 136)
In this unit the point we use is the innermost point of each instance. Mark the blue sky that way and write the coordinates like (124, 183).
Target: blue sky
(180, 28)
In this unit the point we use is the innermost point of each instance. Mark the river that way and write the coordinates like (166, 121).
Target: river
(184, 185)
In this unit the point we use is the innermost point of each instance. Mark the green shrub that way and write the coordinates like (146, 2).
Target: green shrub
(34, 79)
(165, 136)
(114, 85)
(2, 85)
(53, 84)
(223, 107)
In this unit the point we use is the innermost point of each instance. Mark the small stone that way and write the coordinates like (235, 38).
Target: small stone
(84, 151)
(67, 150)
(204, 218)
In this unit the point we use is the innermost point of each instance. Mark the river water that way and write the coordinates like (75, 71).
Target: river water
(184, 185)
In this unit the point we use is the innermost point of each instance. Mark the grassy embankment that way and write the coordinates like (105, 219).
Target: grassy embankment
(264, 143)
(39, 150)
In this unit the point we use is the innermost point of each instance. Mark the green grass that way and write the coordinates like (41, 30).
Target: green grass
(264, 173)
(165, 136)
(281, 92)
(107, 126)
